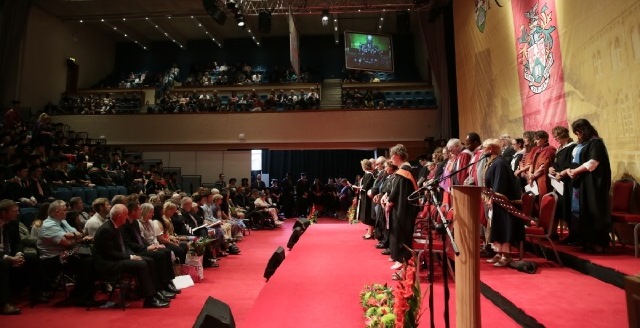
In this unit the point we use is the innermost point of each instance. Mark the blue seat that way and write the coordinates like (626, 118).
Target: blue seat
(102, 192)
(388, 102)
(398, 102)
(79, 192)
(91, 194)
(27, 215)
(63, 194)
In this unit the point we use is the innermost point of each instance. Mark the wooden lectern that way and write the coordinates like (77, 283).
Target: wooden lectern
(467, 204)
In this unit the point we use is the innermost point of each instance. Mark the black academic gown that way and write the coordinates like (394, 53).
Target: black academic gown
(504, 227)
(562, 162)
(403, 215)
(364, 209)
(593, 187)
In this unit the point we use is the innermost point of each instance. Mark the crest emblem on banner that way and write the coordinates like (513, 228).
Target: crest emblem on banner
(482, 7)
(535, 52)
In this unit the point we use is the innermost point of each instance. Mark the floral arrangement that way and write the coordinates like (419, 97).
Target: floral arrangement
(394, 308)
(199, 245)
(313, 215)
(377, 302)
(407, 297)
(351, 214)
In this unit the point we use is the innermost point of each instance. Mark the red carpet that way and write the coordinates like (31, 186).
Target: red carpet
(559, 297)
(319, 282)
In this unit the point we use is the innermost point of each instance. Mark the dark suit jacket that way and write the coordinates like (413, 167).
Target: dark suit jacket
(129, 231)
(12, 240)
(46, 190)
(106, 249)
(14, 190)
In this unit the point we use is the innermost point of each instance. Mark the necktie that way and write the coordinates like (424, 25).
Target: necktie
(120, 241)
(39, 188)
(137, 233)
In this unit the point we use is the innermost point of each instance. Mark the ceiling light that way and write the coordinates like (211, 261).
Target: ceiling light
(325, 17)
(240, 19)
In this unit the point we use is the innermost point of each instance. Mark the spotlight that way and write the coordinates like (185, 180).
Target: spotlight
(240, 19)
(325, 17)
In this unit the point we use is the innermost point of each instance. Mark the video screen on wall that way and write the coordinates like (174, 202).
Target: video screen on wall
(367, 51)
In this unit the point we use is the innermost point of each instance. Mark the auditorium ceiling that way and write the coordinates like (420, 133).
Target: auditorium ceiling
(145, 21)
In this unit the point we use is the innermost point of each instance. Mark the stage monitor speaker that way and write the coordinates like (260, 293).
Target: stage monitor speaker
(295, 236)
(302, 223)
(403, 22)
(264, 21)
(212, 9)
(215, 314)
(274, 262)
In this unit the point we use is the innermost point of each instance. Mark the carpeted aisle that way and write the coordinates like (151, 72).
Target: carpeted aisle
(319, 283)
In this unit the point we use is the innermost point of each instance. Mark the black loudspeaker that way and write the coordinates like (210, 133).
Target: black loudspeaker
(264, 21)
(302, 223)
(403, 22)
(215, 314)
(295, 236)
(212, 8)
(274, 262)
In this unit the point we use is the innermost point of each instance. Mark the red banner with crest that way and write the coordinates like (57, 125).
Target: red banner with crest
(539, 64)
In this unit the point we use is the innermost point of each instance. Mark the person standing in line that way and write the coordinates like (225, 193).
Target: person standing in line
(398, 206)
(591, 180)
(365, 201)
(505, 230)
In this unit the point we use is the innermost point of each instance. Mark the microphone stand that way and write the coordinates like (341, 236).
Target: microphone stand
(442, 227)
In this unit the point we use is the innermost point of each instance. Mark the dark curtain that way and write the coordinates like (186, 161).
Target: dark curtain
(13, 23)
(438, 40)
(323, 164)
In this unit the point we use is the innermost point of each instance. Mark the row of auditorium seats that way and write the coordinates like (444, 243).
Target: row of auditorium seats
(88, 194)
(410, 98)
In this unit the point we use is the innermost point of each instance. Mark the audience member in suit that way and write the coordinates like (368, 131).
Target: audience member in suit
(302, 195)
(134, 241)
(40, 189)
(57, 243)
(113, 258)
(14, 263)
(18, 189)
(258, 183)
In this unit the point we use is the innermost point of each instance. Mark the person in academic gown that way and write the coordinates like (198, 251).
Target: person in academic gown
(505, 229)
(402, 211)
(364, 201)
(591, 180)
(562, 162)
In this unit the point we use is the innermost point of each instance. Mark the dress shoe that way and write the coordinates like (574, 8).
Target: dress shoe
(504, 261)
(42, 299)
(495, 259)
(380, 246)
(173, 289)
(88, 303)
(153, 302)
(396, 266)
(367, 237)
(9, 309)
(386, 252)
(167, 294)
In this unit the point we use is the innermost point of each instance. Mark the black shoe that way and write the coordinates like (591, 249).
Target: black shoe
(166, 294)
(88, 303)
(42, 299)
(487, 252)
(234, 251)
(9, 309)
(173, 289)
(386, 252)
(153, 302)
(380, 246)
